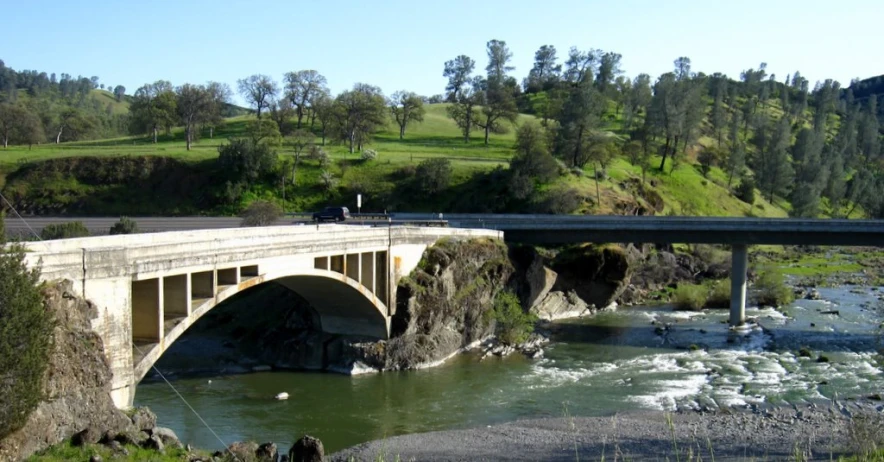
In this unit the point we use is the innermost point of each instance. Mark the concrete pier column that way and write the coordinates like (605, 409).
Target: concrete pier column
(176, 296)
(739, 265)
(366, 270)
(382, 278)
(147, 311)
(351, 266)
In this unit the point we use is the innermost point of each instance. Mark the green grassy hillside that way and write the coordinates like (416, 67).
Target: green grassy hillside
(384, 182)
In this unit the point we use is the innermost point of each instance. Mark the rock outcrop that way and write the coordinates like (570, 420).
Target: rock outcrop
(441, 308)
(573, 282)
(77, 385)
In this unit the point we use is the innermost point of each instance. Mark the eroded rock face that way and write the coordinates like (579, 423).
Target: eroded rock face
(77, 385)
(307, 449)
(441, 307)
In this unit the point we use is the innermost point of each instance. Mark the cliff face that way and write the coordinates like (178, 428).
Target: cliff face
(77, 386)
(573, 282)
(442, 306)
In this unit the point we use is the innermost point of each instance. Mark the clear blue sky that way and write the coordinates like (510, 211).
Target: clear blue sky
(402, 44)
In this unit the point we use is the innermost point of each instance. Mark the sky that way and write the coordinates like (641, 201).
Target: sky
(402, 45)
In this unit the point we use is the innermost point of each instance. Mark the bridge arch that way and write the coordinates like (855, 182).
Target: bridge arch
(343, 306)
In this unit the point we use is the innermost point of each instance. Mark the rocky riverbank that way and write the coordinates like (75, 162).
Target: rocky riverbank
(799, 433)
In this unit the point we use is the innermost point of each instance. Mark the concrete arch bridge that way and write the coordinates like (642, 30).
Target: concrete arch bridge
(149, 288)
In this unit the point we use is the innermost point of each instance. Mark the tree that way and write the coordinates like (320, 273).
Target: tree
(810, 175)
(194, 104)
(836, 186)
(609, 68)
(323, 109)
(26, 338)
(299, 140)
(260, 213)
(258, 90)
(463, 109)
(774, 171)
(708, 158)
(29, 129)
(736, 161)
(119, 92)
(281, 112)
(302, 88)
(532, 159)
(499, 106)
(406, 107)
(545, 71)
(263, 131)
(580, 116)
(637, 100)
(499, 56)
(719, 113)
(220, 99)
(126, 225)
(601, 152)
(244, 161)
(10, 117)
(153, 107)
(458, 71)
(358, 113)
(869, 129)
(433, 175)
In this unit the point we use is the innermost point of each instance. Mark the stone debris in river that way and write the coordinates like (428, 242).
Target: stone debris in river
(307, 449)
(282, 396)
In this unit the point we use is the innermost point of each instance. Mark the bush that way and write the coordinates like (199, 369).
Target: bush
(64, 231)
(719, 294)
(260, 213)
(433, 175)
(514, 325)
(746, 190)
(25, 337)
(369, 155)
(771, 290)
(690, 297)
(124, 226)
(245, 161)
(561, 201)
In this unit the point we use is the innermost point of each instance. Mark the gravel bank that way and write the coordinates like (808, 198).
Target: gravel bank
(818, 433)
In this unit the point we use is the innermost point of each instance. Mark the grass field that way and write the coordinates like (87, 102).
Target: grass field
(684, 191)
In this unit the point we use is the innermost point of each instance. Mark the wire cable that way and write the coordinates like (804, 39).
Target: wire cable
(20, 217)
(198, 416)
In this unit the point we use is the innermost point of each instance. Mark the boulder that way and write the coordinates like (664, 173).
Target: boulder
(89, 435)
(307, 449)
(813, 294)
(267, 452)
(96, 458)
(167, 436)
(154, 443)
(242, 450)
(143, 419)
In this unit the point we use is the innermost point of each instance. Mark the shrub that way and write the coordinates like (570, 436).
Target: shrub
(25, 337)
(64, 231)
(561, 201)
(746, 190)
(719, 294)
(514, 325)
(328, 181)
(708, 158)
(369, 155)
(771, 289)
(405, 172)
(260, 213)
(690, 297)
(245, 161)
(433, 175)
(124, 226)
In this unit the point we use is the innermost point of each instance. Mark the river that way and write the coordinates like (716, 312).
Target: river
(615, 361)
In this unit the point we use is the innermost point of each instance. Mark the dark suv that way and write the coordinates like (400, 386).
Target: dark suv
(332, 214)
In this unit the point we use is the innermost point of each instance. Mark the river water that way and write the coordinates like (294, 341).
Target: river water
(615, 361)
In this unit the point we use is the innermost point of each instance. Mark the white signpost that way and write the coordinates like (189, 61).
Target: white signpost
(359, 203)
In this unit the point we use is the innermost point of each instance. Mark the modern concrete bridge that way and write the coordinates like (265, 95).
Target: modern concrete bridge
(149, 288)
(738, 232)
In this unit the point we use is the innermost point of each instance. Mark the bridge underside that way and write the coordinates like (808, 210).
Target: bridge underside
(164, 308)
